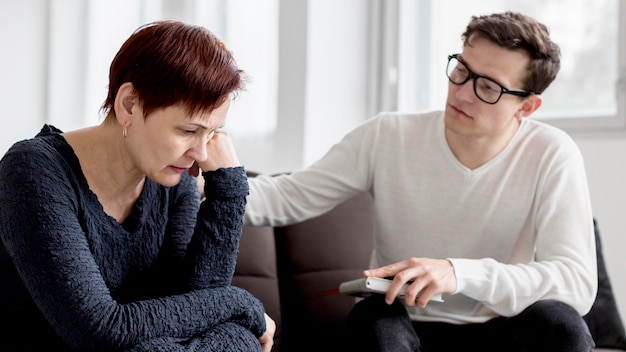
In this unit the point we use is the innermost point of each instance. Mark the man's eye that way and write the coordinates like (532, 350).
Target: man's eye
(489, 86)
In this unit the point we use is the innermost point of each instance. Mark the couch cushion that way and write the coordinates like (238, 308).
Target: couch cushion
(315, 256)
(256, 268)
(604, 320)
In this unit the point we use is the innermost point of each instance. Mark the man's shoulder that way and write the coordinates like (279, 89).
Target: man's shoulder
(403, 119)
(547, 138)
(542, 130)
(404, 115)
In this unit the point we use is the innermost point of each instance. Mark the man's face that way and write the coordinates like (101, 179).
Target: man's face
(465, 114)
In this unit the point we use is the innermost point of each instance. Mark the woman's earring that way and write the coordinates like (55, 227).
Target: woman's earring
(124, 132)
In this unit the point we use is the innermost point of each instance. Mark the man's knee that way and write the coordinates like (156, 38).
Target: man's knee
(375, 307)
(557, 324)
(374, 325)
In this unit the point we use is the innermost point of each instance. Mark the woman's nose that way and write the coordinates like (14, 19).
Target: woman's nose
(198, 151)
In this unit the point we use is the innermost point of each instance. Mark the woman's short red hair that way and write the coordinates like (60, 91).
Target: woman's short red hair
(174, 63)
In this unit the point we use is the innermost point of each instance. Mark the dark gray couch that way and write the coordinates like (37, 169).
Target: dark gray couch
(288, 267)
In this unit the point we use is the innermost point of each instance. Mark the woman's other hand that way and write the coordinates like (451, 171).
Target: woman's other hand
(267, 339)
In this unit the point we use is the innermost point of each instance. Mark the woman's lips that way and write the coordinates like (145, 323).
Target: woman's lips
(178, 169)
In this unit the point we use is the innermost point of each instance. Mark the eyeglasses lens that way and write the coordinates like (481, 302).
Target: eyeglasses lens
(484, 88)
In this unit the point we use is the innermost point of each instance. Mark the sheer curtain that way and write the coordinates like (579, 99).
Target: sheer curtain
(84, 36)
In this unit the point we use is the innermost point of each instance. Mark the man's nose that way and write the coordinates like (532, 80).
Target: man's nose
(466, 91)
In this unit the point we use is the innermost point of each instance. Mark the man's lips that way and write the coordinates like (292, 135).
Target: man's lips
(459, 111)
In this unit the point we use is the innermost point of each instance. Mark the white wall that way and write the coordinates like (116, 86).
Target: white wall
(23, 67)
(605, 160)
(325, 98)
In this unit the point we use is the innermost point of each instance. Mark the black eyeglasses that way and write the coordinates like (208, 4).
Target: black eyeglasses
(485, 88)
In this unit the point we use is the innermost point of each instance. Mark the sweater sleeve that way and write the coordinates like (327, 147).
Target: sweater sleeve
(212, 253)
(344, 171)
(44, 236)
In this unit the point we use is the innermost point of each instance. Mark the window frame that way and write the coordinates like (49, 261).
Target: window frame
(611, 123)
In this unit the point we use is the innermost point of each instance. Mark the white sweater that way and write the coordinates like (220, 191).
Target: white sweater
(518, 229)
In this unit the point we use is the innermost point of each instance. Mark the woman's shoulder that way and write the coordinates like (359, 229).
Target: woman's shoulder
(46, 142)
(45, 153)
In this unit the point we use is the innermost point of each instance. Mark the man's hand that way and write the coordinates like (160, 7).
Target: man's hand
(267, 339)
(429, 277)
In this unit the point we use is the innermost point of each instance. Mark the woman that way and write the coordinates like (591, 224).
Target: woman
(109, 245)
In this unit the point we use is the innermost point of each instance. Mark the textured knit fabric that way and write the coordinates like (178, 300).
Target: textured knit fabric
(517, 229)
(73, 278)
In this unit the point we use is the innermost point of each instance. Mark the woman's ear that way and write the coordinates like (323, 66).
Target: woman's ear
(125, 103)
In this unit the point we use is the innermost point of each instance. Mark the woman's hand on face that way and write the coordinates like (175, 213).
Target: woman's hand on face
(267, 339)
(221, 152)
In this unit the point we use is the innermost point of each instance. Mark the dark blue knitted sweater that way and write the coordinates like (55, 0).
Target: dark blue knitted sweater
(73, 278)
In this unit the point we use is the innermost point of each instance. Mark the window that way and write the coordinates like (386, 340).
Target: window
(588, 93)
(83, 44)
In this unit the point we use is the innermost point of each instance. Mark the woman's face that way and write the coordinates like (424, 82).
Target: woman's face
(166, 143)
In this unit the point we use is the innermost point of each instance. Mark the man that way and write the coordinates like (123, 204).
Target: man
(477, 203)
